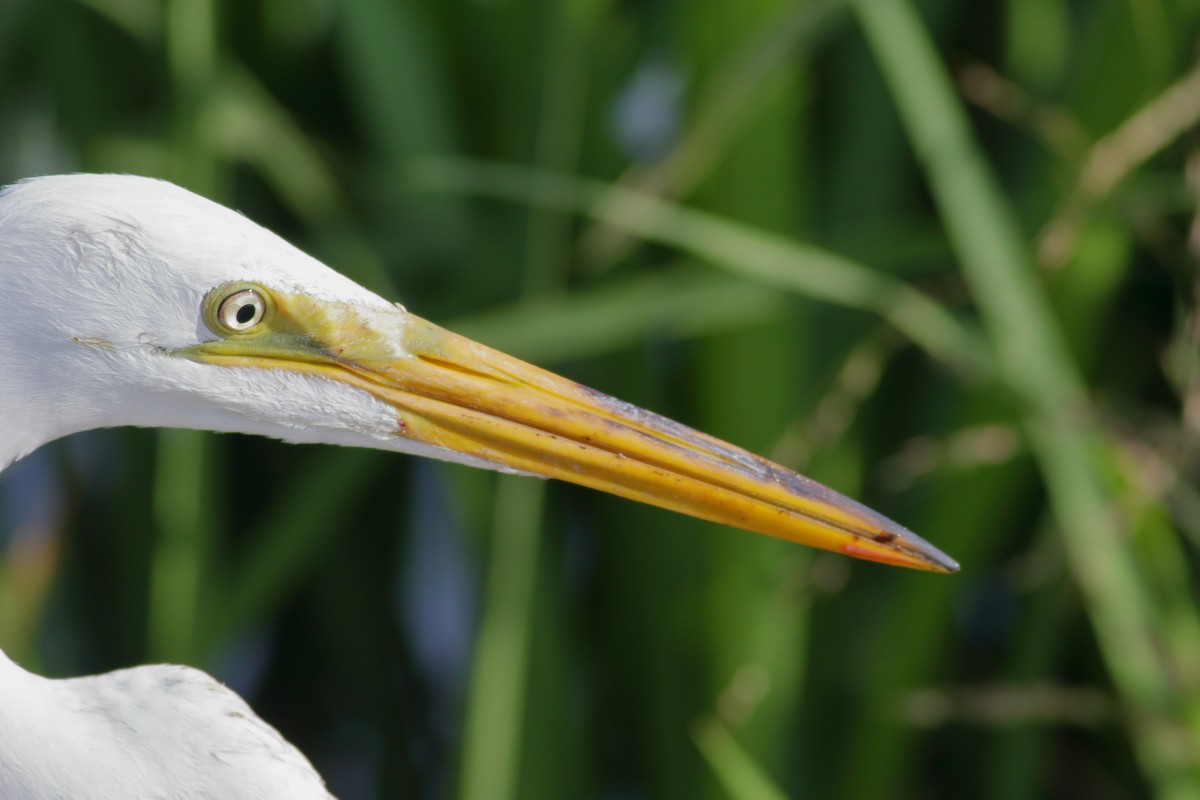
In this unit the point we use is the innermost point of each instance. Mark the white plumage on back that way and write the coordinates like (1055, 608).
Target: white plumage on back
(159, 732)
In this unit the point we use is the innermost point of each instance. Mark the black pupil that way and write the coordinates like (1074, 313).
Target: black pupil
(245, 313)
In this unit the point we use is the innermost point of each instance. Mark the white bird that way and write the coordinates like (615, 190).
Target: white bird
(130, 301)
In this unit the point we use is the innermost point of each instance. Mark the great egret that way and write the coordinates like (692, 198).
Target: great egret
(130, 301)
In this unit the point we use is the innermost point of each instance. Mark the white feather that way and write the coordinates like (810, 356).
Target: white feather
(149, 733)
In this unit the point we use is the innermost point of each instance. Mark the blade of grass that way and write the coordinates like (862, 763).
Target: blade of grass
(741, 249)
(737, 772)
(247, 124)
(1020, 758)
(1038, 37)
(682, 304)
(191, 62)
(959, 511)
(293, 537)
(499, 681)
(402, 95)
(1034, 362)
(727, 105)
(559, 137)
(1111, 160)
(142, 19)
(181, 549)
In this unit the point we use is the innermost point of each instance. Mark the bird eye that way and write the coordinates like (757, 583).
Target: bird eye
(241, 310)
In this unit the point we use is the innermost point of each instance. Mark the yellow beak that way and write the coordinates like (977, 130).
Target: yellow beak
(453, 393)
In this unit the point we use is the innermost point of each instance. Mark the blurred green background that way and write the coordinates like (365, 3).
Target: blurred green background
(941, 256)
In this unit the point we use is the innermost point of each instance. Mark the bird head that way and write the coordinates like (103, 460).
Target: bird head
(130, 301)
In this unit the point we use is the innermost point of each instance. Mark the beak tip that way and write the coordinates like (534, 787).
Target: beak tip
(935, 559)
(944, 563)
(932, 558)
(923, 555)
(898, 546)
